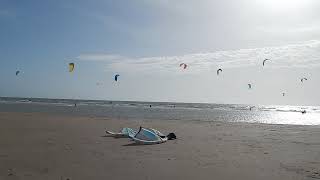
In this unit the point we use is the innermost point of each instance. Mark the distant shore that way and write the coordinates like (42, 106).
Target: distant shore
(54, 146)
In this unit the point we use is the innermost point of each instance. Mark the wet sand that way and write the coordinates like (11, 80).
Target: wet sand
(55, 147)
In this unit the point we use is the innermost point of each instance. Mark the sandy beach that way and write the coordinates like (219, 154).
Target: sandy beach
(160, 90)
(54, 147)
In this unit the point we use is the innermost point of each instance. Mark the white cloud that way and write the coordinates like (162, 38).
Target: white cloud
(100, 57)
(301, 55)
(283, 30)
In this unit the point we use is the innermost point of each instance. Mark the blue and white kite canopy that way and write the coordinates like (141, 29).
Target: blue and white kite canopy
(116, 77)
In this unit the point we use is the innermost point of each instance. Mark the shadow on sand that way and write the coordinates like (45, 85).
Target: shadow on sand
(115, 137)
(134, 144)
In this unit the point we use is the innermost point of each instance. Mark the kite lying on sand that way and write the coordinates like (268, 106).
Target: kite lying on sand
(124, 133)
(143, 136)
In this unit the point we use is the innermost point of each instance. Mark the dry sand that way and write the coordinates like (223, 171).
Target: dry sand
(53, 147)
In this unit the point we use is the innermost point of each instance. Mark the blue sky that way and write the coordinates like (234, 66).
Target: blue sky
(145, 41)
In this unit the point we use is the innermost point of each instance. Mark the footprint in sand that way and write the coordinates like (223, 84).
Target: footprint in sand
(314, 175)
(10, 172)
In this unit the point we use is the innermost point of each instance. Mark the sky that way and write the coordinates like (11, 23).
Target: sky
(145, 41)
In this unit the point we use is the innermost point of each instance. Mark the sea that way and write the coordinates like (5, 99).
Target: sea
(269, 114)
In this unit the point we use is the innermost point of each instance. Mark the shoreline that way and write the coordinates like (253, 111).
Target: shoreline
(55, 146)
